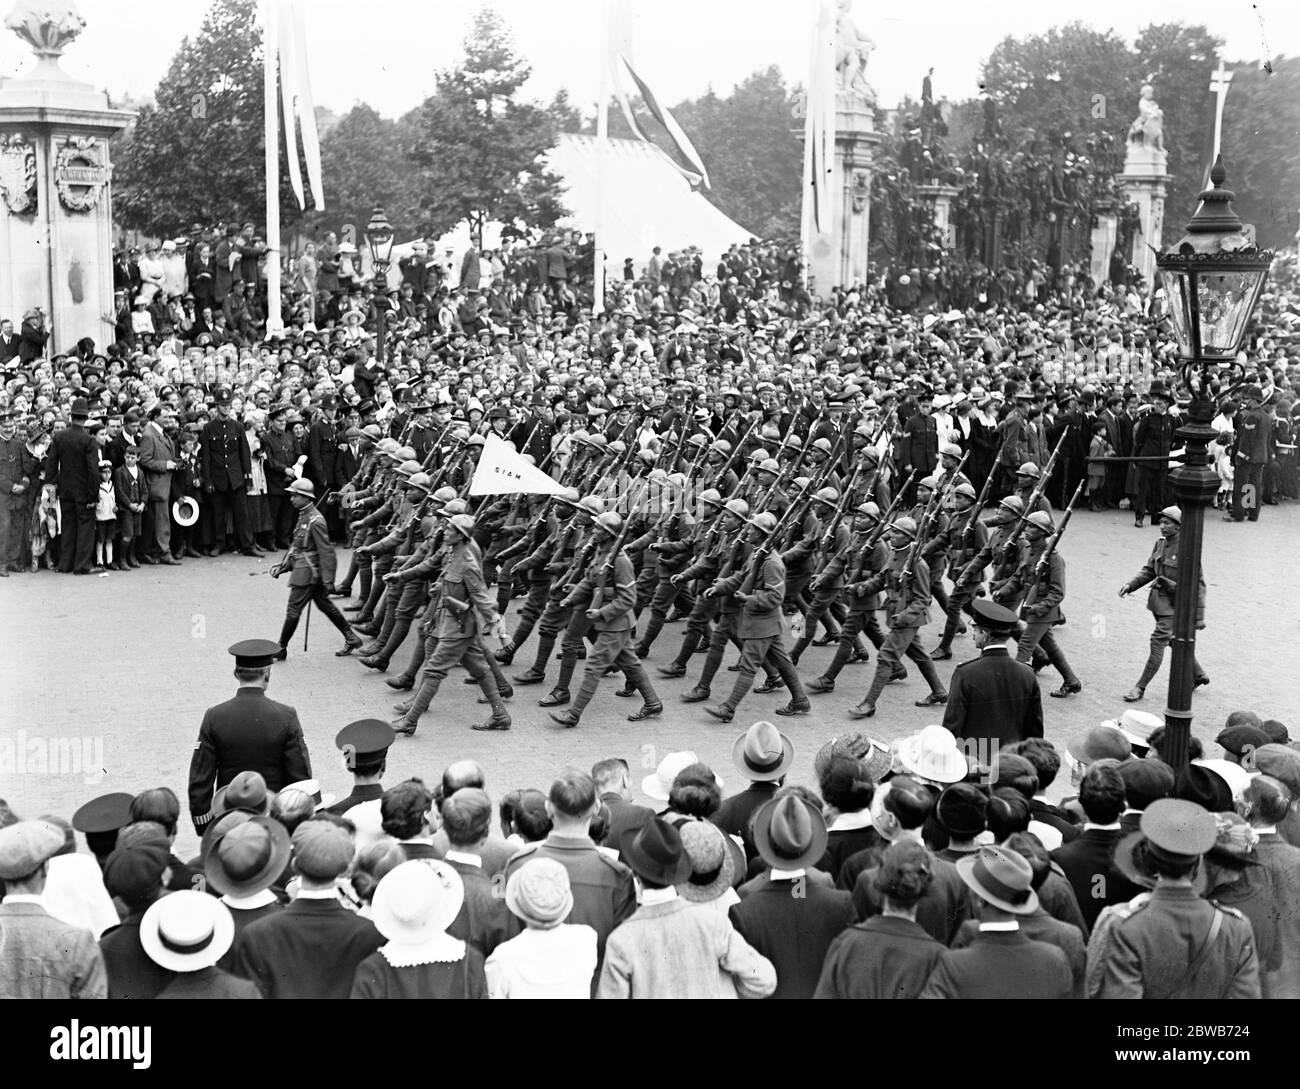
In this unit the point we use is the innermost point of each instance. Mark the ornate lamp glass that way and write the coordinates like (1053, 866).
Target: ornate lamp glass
(1213, 277)
(379, 237)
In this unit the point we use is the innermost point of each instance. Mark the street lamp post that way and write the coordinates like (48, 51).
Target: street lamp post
(379, 237)
(1213, 277)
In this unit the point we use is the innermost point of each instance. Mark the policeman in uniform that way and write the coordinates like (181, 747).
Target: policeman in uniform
(247, 733)
(1173, 943)
(311, 565)
(759, 590)
(1250, 455)
(609, 587)
(993, 698)
(907, 609)
(227, 470)
(464, 611)
(1038, 585)
(1161, 571)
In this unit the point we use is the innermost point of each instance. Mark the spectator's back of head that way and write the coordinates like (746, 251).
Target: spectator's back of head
(1017, 773)
(532, 817)
(695, 792)
(573, 796)
(463, 773)
(904, 875)
(909, 801)
(610, 776)
(1008, 813)
(1265, 801)
(467, 817)
(291, 807)
(846, 785)
(404, 809)
(1042, 754)
(158, 804)
(1102, 792)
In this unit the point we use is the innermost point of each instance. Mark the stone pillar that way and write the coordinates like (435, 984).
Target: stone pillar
(838, 256)
(1145, 180)
(56, 244)
(1105, 231)
(940, 198)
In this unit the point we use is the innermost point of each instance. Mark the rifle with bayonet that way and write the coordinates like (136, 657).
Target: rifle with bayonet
(1031, 503)
(1046, 558)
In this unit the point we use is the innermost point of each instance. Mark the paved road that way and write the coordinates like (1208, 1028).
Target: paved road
(123, 666)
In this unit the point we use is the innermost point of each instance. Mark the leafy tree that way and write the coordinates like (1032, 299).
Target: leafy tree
(196, 154)
(363, 164)
(477, 147)
(1261, 116)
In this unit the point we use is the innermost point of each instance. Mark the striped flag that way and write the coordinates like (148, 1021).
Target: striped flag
(298, 105)
(682, 153)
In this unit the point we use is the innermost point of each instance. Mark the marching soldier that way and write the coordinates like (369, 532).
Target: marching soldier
(669, 544)
(970, 536)
(829, 581)
(247, 733)
(1161, 571)
(759, 590)
(1028, 477)
(609, 587)
(465, 611)
(704, 608)
(865, 560)
(535, 547)
(718, 565)
(1038, 585)
(311, 567)
(934, 549)
(907, 610)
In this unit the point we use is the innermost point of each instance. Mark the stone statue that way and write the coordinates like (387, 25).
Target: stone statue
(46, 25)
(852, 51)
(1148, 127)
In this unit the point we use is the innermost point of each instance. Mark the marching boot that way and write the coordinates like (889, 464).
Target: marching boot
(931, 677)
(726, 711)
(651, 705)
(286, 633)
(407, 677)
(419, 704)
(396, 636)
(706, 641)
(842, 656)
(652, 629)
(504, 688)
(567, 665)
(1134, 694)
(805, 641)
(506, 654)
(677, 667)
(386, 628)
(364, 581)
(536, 673)
(500, 719)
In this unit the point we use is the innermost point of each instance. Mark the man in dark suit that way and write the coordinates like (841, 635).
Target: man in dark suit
(792, 931)
(993, 700)
(73, 466)
(158, 458)
(484, 919)
(614, 786)
(227, 471)
(322, 452)
(247, 733)
(137, 876)
(281, 456)
(1046, 762)
(1000, 961)
(312, 948)
(1086, 861)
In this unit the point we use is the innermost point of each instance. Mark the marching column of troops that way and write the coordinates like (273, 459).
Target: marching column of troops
(787, 526)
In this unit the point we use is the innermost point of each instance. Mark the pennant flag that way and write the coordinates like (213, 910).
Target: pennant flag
(298, 105)
(685, 159)
(502, 471)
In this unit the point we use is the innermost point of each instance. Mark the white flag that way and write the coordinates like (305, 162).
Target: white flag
(501, 471)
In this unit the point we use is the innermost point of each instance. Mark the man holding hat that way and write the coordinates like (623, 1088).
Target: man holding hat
(311, 565)
(1174, 944)
(247, 733)
(42, 957)
(1001, 962)
(73, 466)
(993, 699)
(669, 949)
(1161, 571)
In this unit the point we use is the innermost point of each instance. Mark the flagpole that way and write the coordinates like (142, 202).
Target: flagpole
(270, 103)
(602, 141)
(806, 229)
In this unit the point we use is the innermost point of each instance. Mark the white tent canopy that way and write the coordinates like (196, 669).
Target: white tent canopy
(646, 203)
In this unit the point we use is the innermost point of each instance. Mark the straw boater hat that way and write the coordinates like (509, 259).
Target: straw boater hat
(187, 931)
(933, 755)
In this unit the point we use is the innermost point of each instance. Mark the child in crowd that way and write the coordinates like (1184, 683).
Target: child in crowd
(131, 492)
(1098, 447)
(105, 516)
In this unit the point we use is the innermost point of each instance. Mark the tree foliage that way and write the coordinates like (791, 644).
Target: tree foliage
(477, 147)
(1260, 124)
(197, 153)
(363, 164)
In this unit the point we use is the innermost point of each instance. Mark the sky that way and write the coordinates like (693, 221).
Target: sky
(385, 51)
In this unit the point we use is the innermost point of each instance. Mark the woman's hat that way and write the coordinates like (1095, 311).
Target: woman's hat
(1002, 877)
(1237, 777)
(712, 867)
(789, 834)
(873, 755)
(539, 893)
(246, 858)
(933, 754)
(654, 851)
(659, 784)
(247, 790)
(416, 900)
(187, 931)
(762, 753)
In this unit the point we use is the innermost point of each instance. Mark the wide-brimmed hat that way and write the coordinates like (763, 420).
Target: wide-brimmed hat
(1104, 742)
(874, 756)
(1137, 727)
(1002, 877)
(245, 858)
(762, 753)
(654, 851)
(540, 894)
(416, 900)
(712, 866)
(933, 754)
(789, 834)
(187, 931)
(660, 783)
(247, 790)
(1237, 777)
